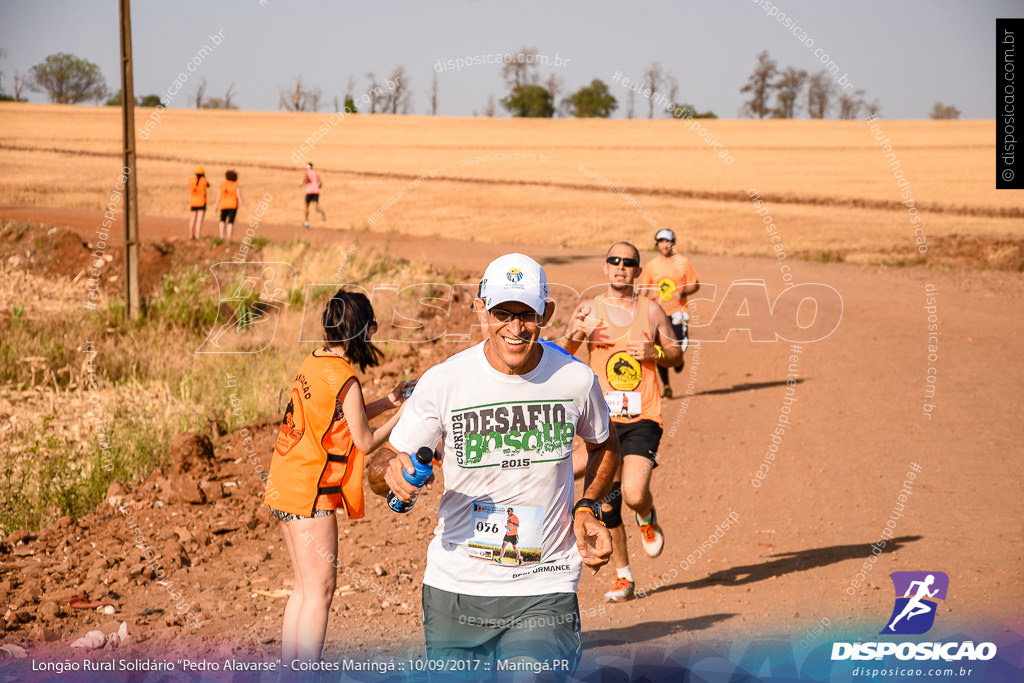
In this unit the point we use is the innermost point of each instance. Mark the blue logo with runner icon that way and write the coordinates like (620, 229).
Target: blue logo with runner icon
(917, 600)
(514, 275)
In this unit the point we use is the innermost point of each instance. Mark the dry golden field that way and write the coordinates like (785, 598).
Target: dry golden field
(827, 184)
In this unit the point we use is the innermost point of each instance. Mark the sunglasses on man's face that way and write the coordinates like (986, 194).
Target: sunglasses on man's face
(624, 260)
(525, 317)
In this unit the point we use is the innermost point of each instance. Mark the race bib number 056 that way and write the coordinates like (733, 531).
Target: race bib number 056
(507, 534)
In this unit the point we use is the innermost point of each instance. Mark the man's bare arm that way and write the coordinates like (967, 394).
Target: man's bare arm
(580, 327)
(377, 468)
(602, 462)
(665, 337)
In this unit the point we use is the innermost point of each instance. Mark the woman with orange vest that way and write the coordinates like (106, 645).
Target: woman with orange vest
(317, 466)
(229, 201)
(197, 202)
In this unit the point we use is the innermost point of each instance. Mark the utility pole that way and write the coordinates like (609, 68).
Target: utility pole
(131, 206)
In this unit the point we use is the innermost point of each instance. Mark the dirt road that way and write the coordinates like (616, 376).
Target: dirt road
(855, 423)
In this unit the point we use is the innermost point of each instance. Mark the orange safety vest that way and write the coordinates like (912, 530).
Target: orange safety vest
(626, 381)
(197, 190)
(229, 194)
(316, 466)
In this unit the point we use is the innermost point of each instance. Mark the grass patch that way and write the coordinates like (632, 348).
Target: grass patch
(831, 256)
(182, 303)
(100, 397)
(92, 397)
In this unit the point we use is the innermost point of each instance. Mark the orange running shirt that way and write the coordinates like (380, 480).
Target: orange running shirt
(315, 464)
(630, 386)
(229, 194)
(197, 190)
(512, 525)
(663, 277)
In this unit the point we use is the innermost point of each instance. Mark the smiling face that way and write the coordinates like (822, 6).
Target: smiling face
(512, 329)
(621, 276)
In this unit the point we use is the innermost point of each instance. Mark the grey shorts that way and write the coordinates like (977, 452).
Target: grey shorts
(469, 628)
(289, 517)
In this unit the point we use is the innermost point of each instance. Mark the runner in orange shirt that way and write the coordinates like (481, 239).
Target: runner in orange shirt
(668, 279)
(197, 203)
(511, 536)
(229, 201)
(628, 335)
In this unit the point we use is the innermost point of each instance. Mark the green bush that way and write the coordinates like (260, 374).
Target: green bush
(183, 303)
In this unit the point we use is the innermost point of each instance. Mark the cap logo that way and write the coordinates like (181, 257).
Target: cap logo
(514, 275)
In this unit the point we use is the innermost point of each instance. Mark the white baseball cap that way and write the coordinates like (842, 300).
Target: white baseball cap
(515, 277)
(665, 234)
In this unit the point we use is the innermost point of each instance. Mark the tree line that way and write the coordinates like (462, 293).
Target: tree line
(783, 93)
(774, 92)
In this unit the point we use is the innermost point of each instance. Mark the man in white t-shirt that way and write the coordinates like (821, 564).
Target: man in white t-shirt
(506, 411)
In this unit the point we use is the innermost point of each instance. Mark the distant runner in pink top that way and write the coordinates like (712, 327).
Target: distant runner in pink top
(312, 183)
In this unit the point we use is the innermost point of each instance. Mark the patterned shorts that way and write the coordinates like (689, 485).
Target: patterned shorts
(289, 517)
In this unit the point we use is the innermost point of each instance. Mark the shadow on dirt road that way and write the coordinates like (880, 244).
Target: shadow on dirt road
(787, 563)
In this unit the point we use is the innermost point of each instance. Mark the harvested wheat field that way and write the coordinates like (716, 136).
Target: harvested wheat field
(892, 419)
(829, 186)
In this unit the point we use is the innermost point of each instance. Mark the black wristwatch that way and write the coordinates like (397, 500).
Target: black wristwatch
(590, 505)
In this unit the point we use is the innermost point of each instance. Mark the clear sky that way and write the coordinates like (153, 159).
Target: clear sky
(907, 55)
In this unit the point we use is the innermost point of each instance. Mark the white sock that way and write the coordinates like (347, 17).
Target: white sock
(625, 573)
(646, 520)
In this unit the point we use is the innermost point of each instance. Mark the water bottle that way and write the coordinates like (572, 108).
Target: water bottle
(424, 464)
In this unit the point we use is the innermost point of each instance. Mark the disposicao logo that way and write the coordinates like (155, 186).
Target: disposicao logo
(917, 601)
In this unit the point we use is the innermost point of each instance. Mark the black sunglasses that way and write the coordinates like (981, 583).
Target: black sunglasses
(624, 260)
(525, 317)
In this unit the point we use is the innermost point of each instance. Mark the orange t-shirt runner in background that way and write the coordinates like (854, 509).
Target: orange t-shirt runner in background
(315, 463)
(664, 276)
(229, 194)
(630, 386)
(197, 190)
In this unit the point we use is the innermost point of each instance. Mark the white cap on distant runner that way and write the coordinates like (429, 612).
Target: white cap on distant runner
(514, 277)
(665, 234)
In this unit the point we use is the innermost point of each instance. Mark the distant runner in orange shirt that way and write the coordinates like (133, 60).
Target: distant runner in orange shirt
(197, 203)
(668, 279)
(229, 201)
(511, 536)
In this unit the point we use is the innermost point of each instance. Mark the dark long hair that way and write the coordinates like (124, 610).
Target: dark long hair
(347, 319)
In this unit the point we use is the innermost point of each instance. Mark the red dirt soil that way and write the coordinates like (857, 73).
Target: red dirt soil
(856, 426)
